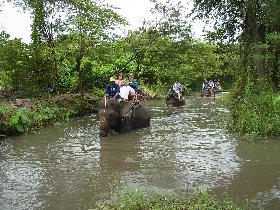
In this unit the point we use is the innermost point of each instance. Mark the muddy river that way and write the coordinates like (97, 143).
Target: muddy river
(185, 149)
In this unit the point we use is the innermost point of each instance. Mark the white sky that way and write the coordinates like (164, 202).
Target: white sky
(135, 11)
(17, 24)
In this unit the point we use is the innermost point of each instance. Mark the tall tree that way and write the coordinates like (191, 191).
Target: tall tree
(248, 20)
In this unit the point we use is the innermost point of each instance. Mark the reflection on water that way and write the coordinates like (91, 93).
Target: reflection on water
(185, 148)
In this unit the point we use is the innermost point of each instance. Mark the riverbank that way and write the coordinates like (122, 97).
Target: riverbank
(26, 115)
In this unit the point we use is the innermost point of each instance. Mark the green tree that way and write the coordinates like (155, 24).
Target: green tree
(82, 24)
(88, 25)
(249, 21)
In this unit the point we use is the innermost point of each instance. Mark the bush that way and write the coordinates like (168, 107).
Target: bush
(50, 111)
(255, 112)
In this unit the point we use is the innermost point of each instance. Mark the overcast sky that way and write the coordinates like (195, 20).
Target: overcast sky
(17, 24)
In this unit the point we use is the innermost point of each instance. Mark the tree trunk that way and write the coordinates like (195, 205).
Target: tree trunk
(275, 77)
(253, 34)
(78, 69)
(259, 61)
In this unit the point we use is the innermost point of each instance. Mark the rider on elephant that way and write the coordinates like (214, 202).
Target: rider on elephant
(113, 89)
(170, 92)
(119, 78)
(134, 84)
(126, 91)
(178, 88)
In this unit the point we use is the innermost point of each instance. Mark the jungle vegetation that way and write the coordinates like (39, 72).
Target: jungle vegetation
(77, 45)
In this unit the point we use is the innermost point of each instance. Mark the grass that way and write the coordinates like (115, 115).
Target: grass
(136, 200)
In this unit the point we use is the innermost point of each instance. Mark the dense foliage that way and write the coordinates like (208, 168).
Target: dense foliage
(152, 57)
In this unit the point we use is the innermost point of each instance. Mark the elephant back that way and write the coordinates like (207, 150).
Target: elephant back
(141, 116)
(135, 114)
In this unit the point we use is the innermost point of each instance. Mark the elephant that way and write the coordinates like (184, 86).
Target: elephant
(172, 100)
(206, 93)
(121, 117)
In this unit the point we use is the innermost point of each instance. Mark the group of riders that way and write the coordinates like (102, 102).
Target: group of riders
(121, 90)
(210, 87)
(126, 91)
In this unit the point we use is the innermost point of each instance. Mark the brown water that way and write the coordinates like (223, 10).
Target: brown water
(185, 149)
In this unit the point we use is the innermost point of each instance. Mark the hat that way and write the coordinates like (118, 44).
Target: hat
(112, 79)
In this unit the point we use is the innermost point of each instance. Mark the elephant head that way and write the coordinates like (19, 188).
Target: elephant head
(121, 116)
(109, 115)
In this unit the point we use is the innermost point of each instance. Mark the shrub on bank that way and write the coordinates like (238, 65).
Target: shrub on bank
(254, 112)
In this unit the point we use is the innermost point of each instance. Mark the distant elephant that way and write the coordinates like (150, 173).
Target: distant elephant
(172, 99)
(122, 117)
(206, 93)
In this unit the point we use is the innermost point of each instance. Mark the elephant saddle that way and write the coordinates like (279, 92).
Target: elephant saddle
(129, 109)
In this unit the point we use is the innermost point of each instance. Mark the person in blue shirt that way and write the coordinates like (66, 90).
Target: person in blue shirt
(205, 85)
(132, 82)
(170, 92)
(113, 89)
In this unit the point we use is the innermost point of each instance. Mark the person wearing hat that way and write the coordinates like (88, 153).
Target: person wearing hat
(113, 89)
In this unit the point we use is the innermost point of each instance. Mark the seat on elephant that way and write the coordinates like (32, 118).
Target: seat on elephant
(122, 117)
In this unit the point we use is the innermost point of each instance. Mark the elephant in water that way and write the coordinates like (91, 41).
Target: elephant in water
(122, 117)
(173, 99)
(206, 93)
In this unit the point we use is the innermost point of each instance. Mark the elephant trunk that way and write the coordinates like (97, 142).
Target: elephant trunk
(104, 127)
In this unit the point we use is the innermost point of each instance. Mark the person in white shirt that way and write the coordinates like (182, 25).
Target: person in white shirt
(177, 87)
(126, 91)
